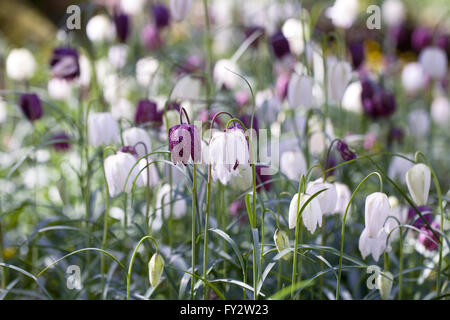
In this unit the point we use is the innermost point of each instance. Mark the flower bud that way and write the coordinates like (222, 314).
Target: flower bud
(357, 54)
(179, 9)
(281, 240)
(61, 142)
(155, 269)
(31, 106)
(20, 64)
(185, 143)
(64, 63)
(103, 129)
(434, 62)
(345, 151)
(293, 31)
(299, 91)
(418, 180)
(384, 284)
(122, 24)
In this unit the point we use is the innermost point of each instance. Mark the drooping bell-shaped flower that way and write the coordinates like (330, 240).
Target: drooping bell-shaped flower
(413, 77)
(122, 23)
(138, 138)
(61, 142)
(373, 238)
(434, 62)
(384, 282)
(227, 150)
(419, 123)
(339, 76)
(147, 111)
(300, 91)
(151, 37)
(100, 28)
(185, 143)
(344, 151)
(31, 106)
(312, 214)
(427, 237)
(161, 15)
(421, 38)
(103, 129)
(393, 12)
(293, 164)
(357, 54)
(440, 111)
(418, 179)
(179, 9)
(20, 64)
(343, 197)
(155, 269)
(280, 45)
(117, 168)
(343, 13)
(327, 199)
(64, 63)
(281, 240)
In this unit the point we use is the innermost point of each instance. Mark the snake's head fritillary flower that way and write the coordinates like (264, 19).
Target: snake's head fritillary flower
(20, 64)
(344, 151)
(281, 240)
(155, 269)
(427, 237)
(311, 215)
(103, 129)
(418, 179)
(185, 143)
(327, 199)
(179, 9)
(138, 138)
(61, 143)
(147, 111)
(161, 15)
(65, 63)
(31, 106)
(122, 23)
(280, 45)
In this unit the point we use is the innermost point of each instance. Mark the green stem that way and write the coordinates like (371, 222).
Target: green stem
(207, 39)
(194, 173)
(205, 238)
(105, 226)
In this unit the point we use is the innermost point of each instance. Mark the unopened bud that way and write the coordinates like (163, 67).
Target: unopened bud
(384, 284)
(282, 242)
(155, 269)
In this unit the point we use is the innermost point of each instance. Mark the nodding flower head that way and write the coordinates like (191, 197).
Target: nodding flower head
(147, 111)
(377, 101)
(185, 143)
(61, 142)
(427, 237)
(417, 221)
(161, 15)
(280, 45)
(357, 53)
(64, 63)
(31, 106)
(344, 151)
(129, 149)
(122, 23)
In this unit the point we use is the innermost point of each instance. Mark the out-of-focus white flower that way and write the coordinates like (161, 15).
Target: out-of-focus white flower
(440, 111)
(418, 123)
(122, 108)
(222, 75)
(20, 64)
(293, 31)
(85, 71)
(339, 75)
(312, 215)
(103, 69)
(179, 206)
(373, 238)
(118, 55)
(100, 28)
(3, 110)
(136, 137)
(179, 9)
(398, 167)
(59, 89)
(327, 199)
(351, 101)
(399, 212)
(226, 151)
(187, 88)
(117, 168)
(434, 62)
(318, 139)
(299, 91)
(393, 12)
(343, 13)
(103, 129)
(293, 164)
(155, 269)
(413, 77)
(343, 197)
(132, 7)
(145, 69)
(418, 180)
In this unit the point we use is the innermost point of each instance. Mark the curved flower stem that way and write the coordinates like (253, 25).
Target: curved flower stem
(132, 260)
(343, 225)
(194, 173)
(298, 228)
(205, 238)
(441, 209)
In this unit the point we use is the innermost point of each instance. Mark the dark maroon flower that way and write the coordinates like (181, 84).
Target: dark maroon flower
(122, 23)
(147, 111)
(161, 15)
(395, 134)
(421, 38)
(263, 178)
(185, 143)
(344, 151)
(357, 52)
(151, 37)
(280, 45)
(417, 221)
(400, 36)
(331, 163)
(61, 142)
(173, 105)
(427, 237)
(250, 30)
(129, 149)
(64, 63)
(377, 101)
(31, 106)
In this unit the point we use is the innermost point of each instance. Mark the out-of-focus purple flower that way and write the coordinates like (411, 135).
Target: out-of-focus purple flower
(281, 86)
(161, 15)
(426, 235)
(263, 179)
(400, 36)
(151, 37)
(377, 101)
(247, 121)
(65, 63)
(31, 106)
(357, 52)
(443, 42)
(147, 111)
(248, 31)
(237, 211)
(122, 23)
(242, 97)
(395, 134)
(421, 38)
(344, 151)
(173, 105)
(369, 140)
(61, 142)
(331, 163)
(185, 143)
(417, 220)
(279, 45)
(192, 64)
(129, 149)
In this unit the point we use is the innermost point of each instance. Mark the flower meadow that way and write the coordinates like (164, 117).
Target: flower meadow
(208, 150)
